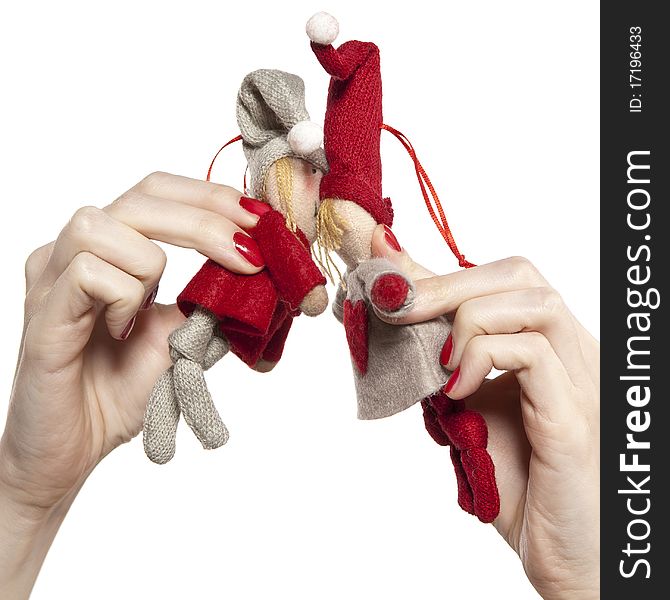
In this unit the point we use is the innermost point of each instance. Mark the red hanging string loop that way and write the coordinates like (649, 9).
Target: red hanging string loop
(436, 212)
(211, 165)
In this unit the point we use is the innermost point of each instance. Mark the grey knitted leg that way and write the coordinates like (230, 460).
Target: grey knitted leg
(194, 348)
(160, 420)
(197, 406)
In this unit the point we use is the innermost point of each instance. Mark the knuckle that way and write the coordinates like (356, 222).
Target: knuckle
(153, 181)
(85, 221)
(84, 266)
(521, 268)
(466, 316)
(152, 264)
(209, 230)
(217, 194)
(135, 294)
(36, 260)
(130, 202)
(536, 349)
(31, 261)
(159, 260)
(547, 299)
(476, 346)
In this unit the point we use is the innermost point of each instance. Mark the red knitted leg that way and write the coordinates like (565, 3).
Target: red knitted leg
(468, 433)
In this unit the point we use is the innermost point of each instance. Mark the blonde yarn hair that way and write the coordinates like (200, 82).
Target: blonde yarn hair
(284, 176)
(330, 229)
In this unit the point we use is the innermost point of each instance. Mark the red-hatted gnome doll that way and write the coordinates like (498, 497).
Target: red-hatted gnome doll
(395, 366)
(250, 315)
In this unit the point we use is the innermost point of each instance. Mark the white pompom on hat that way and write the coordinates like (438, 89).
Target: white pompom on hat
(322, 28)
(305, 137)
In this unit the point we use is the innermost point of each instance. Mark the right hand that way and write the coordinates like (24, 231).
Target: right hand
(542, 413)
(83, 377)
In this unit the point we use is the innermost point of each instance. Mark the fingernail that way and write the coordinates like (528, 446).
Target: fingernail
(447, 349)
(248, 249)
(255, 207)
(452, 380)
(126, 332)
(151, 298)
(391, 239)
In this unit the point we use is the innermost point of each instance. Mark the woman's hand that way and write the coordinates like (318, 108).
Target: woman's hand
(94, 343)
(542, 414)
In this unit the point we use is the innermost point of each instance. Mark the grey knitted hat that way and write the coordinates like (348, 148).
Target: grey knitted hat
(274, 124)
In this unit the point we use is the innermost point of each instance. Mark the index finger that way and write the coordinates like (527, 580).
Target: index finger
(443, 294)
(215, 197)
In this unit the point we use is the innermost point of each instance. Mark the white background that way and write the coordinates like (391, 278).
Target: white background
(501, 101)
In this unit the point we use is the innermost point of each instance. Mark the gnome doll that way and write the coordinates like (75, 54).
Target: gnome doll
(249, 315)
(395, 366)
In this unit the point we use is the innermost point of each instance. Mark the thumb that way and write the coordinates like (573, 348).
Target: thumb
(385, 245)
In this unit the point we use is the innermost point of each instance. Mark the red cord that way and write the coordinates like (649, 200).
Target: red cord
(211, 165)
(424, 181)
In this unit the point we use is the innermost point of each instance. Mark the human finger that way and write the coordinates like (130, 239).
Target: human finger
(93, 230)
(539, 309)
(215, 197)
(179, 224)
(443, 294)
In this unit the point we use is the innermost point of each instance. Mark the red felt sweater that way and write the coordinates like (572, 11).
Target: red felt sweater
(255, 312)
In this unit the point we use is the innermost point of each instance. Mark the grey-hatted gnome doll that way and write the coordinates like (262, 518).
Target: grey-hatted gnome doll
(249, 315)
(395, 366)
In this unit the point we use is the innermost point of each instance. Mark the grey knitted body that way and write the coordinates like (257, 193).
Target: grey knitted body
(269, 104)
(403, 360)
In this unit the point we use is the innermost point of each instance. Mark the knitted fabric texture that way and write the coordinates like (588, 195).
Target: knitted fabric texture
(352, 127)
(182, 389)
(269, 104)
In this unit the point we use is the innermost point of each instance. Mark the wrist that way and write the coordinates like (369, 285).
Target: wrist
(27, 531)
(29, 522)
(32, 482)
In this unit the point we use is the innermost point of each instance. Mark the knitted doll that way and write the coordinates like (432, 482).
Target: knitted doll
(395, 366)
(249, 315)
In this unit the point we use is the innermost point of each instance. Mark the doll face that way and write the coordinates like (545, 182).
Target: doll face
(357, 226)
(292, 188)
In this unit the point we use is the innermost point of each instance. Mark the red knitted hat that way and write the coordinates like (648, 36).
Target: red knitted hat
(353, 120)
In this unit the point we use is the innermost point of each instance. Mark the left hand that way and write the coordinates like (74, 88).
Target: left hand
(542, 414)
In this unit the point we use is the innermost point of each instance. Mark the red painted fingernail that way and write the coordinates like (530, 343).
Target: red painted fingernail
(391, 239)
(246, 246)
(255, 207)
(452, 380)
(151, 298)
(447, 349)
(126, 332)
